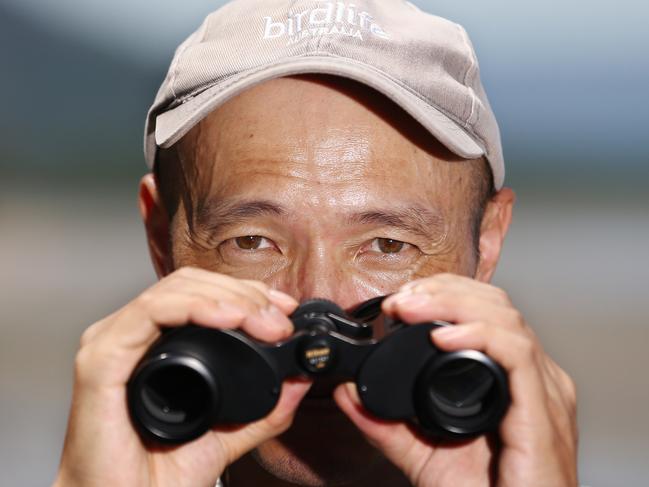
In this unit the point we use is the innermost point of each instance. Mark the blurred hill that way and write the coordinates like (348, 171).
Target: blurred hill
(70, 109)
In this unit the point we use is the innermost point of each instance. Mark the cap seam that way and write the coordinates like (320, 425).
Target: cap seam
(172, 82)
(470, 69)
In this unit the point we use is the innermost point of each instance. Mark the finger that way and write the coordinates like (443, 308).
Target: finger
(263, 292)
(252, 296)
(112, 356)
(197, 273)
(564, 382)
(519, 354)
(264, 312)
(250, 304)
(162, 310)
(410, 451)
(562, 393)
(455, 308)
(239, 441)
(263, 319)
(392, 437)
(96, 329)
(395, 439)
(451, 282)
(283, 301)
(562, 406)
(215, 285)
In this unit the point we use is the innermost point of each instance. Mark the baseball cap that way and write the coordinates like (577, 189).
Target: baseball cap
(424, 63)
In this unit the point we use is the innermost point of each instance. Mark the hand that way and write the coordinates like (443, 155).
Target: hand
(101, 446)
(537, 444)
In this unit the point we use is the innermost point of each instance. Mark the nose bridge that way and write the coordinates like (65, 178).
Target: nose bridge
(319, 276)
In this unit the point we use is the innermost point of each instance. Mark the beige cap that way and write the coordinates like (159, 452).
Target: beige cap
(425, 63)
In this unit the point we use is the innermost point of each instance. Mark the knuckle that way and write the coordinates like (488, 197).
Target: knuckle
(445, 276)
(427, 284)
(185, 271)
(503, 295)
(249, 306)
(145, 301)
(440, 280)
(146, 297)
(480, 327)
(246, 305)
(444, 299)
(278, 422)
(255, 297)
(262, 286)
(570, 388)
(88, 334)
(80, 358)
(526, 348)
(197, 301)
(515, 317)
(83, 362)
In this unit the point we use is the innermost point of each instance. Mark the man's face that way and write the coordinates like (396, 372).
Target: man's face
(302, 186)
(321, 190)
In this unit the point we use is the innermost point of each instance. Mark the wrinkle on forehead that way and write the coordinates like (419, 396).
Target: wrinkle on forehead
(320, 132)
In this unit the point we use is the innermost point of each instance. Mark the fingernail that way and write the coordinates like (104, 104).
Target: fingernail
(282, 298)
(393, 298)
(275, 318)
(413, 301)
(352, 391)
(447, 332)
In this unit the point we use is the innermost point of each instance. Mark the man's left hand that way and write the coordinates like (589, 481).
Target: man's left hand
(537, 440)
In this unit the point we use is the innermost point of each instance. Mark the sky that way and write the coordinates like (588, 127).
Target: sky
(563, 76)
(593, 32)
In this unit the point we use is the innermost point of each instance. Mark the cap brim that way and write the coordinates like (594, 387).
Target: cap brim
(173, 124)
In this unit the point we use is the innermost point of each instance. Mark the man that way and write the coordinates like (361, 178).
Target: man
(271, 186)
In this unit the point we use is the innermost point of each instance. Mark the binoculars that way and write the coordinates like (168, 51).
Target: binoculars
(195, 378)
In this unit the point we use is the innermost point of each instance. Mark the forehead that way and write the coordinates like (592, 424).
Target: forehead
(320, 134)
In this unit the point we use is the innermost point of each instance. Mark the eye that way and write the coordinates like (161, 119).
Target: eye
(388, 245)
(252, 242)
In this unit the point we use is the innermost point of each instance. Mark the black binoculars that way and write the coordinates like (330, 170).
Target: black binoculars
(194, 378)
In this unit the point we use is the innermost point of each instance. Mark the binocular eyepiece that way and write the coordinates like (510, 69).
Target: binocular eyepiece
(195, 378)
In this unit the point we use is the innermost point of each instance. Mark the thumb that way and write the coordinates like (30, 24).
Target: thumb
(394, 439)
(237, 442)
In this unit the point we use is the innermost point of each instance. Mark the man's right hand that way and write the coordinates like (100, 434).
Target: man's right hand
(102, 448)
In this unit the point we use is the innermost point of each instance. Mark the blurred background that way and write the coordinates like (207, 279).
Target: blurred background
(567, 80)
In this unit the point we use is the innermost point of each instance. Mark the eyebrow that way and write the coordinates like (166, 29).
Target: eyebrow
(414, 219)
(215, 214)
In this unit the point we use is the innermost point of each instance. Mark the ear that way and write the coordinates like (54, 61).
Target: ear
(495, 223)
(156, 222)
